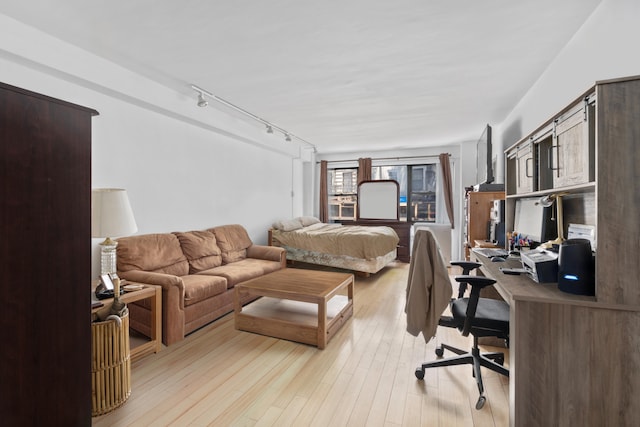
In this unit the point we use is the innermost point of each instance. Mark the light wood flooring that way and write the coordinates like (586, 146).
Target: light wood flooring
(219, 376)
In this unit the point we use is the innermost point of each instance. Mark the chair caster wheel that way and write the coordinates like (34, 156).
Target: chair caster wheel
(439, 351)
(480, 402)
(420, 373)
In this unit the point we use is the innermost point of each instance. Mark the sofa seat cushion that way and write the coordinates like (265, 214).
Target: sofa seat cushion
(233, 240)
(158, 253)
(200, 287)
(241, 271)
(200, 249)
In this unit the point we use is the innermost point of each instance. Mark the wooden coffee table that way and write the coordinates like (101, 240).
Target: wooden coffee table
(305, 306)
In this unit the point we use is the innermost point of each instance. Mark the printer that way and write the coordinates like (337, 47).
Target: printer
(540, 265)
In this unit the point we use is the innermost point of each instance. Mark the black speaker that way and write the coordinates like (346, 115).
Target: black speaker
(576, 267)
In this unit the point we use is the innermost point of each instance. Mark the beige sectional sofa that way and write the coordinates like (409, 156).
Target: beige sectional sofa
(197, 271)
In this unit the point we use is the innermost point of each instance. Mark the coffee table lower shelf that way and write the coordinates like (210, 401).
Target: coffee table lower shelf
(294, 320)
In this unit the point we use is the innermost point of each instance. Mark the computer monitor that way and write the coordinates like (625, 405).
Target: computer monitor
(533, 221)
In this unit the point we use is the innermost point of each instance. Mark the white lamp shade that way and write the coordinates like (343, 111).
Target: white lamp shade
(111, 214)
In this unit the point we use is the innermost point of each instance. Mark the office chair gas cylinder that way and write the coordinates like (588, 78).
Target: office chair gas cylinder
(480, 317)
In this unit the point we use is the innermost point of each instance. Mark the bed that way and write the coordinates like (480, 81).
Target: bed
(362, 249)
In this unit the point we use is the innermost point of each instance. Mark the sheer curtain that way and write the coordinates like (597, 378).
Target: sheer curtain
(324, 193)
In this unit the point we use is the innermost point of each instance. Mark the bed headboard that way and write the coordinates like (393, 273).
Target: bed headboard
(378, 200)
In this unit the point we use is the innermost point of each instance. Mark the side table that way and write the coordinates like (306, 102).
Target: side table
(154, 293)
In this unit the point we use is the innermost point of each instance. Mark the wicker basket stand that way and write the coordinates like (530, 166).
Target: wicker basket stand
(110, 366)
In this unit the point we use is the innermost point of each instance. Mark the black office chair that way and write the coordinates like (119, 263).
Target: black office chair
(480, 317)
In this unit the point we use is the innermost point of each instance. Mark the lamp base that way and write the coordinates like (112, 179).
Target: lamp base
(108, 256)
(551, 243)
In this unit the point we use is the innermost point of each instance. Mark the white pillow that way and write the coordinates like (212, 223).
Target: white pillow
(288, 225)
(308, 220)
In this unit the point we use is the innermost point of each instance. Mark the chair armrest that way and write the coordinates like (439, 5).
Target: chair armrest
(269, 253)
(478, 282)
(466, 266)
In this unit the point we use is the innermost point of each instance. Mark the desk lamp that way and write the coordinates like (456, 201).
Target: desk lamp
(546, 202)
(111, 216)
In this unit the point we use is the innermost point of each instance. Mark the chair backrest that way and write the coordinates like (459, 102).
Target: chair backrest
(477, 283)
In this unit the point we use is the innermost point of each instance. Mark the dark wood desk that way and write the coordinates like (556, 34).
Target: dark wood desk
(572, 360)
(523, 287)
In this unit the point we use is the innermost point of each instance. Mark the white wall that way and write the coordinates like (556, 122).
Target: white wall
(603, 48)
(184, 167)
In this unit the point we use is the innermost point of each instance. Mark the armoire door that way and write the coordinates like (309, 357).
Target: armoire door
(45, 251)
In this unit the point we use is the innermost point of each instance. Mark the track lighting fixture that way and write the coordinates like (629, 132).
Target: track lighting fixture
(202, 102)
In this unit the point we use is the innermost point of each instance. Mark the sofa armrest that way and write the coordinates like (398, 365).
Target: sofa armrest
(172, 301)
(167, 281)
(269, 253)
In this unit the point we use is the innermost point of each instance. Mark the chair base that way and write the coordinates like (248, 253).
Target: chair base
(492, 361)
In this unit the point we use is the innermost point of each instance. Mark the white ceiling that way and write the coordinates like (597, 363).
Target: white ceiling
(344, 75)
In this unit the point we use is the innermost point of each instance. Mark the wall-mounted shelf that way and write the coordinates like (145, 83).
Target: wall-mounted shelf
(574, 189)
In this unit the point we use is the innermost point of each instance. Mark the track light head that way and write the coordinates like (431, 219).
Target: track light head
(202, 101)
(287, 137)
(269, 129)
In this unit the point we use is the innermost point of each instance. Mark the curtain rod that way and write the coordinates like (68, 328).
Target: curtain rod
(385, 158)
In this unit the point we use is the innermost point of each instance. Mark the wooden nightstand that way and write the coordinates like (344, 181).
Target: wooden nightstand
(402, 229)
(154, 293)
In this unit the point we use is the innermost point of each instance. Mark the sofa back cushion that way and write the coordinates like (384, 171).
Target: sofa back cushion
(159, 253)
(200, 249)
(233, 240)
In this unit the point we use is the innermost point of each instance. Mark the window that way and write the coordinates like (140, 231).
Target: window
(417, 189)
(417, 184)
(343, 194)
(422, 193)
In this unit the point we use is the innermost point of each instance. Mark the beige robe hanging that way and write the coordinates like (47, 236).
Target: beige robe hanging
(428, 287)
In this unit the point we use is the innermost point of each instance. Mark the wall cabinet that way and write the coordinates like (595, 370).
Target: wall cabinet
(572, 154)
(523, 159)
(559, 154)
(597, 131)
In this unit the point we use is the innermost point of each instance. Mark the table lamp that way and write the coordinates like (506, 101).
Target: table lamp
(111, 216)
(546, 202)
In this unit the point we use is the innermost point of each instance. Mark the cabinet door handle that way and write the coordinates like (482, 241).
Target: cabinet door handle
(551, 157)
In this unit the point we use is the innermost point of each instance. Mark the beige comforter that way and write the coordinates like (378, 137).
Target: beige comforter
(352, 240)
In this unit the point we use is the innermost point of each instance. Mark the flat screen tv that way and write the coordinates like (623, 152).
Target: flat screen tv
(484, 166)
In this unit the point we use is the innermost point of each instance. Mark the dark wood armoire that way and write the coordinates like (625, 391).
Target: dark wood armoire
(45, 241)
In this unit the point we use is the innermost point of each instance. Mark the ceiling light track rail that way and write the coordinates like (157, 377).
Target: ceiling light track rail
(202, 102)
